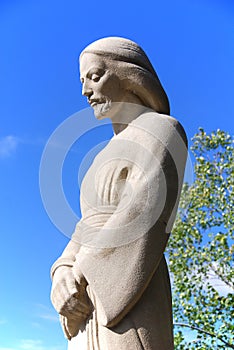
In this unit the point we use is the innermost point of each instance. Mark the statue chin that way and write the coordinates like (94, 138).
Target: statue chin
(101, 110)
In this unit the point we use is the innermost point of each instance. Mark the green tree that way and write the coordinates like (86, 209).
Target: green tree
(201, 248)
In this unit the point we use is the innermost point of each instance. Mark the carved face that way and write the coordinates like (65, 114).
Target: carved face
(100, 84)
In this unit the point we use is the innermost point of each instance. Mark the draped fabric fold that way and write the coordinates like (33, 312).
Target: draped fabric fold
(129, 198)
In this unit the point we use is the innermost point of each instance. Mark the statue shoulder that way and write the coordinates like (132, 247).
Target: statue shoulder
(157, 123)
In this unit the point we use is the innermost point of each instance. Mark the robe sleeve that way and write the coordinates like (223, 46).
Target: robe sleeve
(123, 253)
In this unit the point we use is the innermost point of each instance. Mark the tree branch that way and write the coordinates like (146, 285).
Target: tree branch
(202, 331)
(224, 280)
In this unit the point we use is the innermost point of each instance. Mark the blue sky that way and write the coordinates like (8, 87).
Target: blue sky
(190, 44)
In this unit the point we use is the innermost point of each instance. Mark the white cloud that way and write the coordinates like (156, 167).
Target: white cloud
(50, 317)
(221, 287)
(32, 344)
(2, 321)
(29, 344)
(8, 145)
(47, 313)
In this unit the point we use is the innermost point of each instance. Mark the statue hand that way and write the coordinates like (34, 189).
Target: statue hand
(70, 327)
(68, 297)
(64, 291)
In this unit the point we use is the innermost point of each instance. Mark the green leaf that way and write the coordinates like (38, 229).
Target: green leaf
(201, 245)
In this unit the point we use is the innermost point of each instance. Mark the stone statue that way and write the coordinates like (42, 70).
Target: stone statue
(111, 285)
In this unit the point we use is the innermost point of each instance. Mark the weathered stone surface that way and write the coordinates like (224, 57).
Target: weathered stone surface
(111, 285)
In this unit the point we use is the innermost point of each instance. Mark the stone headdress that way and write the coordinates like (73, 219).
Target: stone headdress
(134, 70)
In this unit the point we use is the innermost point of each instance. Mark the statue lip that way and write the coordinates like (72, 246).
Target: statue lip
(93, 102)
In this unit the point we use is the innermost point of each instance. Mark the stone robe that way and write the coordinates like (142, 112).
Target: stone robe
(129, 199)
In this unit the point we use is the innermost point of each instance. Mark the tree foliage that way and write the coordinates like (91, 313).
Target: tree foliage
(201, 248)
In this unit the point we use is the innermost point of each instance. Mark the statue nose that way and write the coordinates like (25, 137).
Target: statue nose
(86, 90)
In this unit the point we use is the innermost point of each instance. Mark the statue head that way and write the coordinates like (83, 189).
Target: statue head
(117, 70)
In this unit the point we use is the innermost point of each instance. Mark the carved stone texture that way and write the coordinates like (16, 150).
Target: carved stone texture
(111, 285)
